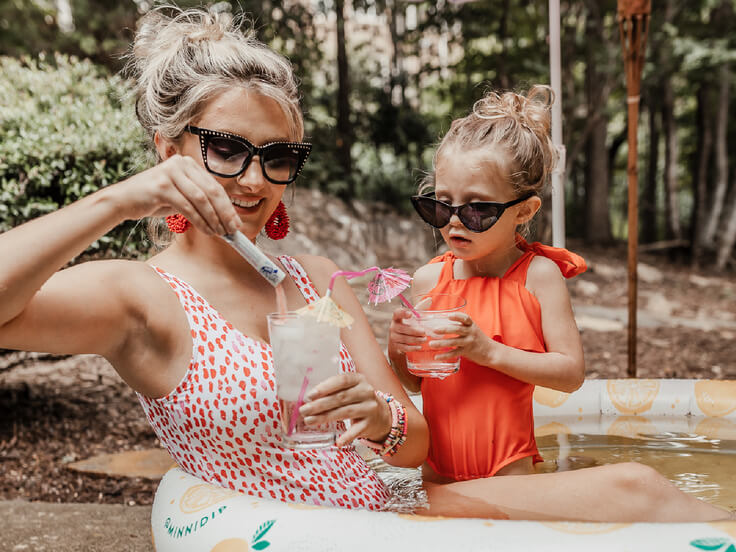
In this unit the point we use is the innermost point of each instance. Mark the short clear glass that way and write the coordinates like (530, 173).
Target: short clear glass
(305, 353)
(434, 311)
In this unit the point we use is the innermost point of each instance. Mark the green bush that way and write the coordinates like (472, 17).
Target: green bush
(67, 130)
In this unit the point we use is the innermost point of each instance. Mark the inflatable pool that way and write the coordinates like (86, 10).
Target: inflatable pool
(193, 516)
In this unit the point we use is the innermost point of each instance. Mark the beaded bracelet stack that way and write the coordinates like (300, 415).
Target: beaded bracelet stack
(397, 436)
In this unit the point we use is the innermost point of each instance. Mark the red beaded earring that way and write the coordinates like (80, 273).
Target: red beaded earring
(178, 223)
(277, 225)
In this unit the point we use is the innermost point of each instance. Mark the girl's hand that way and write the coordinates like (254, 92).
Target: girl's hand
(403, 337)
(470, 341)
(179, 185)
(348, 397)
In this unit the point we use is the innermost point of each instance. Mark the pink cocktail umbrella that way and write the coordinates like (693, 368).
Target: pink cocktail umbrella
(387, 284)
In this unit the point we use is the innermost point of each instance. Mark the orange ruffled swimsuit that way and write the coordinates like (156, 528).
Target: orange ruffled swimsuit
(481, 420)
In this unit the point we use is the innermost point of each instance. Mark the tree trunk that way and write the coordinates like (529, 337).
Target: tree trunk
(344, 129)
(396, 70)
(597, 222)
(721, 159)
(672, 211)
(700, 186)
(597, 225)
(649, 193)
(728, 237)
(502, 76)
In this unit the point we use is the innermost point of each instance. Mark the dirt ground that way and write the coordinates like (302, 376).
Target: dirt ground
(56, 411)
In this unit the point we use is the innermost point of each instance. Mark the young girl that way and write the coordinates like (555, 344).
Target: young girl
(517, 329)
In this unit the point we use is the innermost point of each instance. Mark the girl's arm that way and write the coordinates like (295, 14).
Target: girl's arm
(351, 396)
(562, 367)
(97, 307)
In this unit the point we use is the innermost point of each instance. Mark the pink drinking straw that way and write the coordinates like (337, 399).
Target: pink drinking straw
(299, 402)
(349, 275)
(408, 305)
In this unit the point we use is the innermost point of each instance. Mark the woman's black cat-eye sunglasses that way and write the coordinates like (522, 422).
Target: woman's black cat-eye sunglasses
(228, 155)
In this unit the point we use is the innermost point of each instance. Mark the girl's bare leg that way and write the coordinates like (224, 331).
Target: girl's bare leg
(626, 492)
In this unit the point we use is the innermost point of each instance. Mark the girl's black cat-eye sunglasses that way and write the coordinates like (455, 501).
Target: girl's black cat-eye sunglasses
(477, 216)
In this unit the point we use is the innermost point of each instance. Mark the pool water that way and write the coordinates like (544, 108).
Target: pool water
(702, 466)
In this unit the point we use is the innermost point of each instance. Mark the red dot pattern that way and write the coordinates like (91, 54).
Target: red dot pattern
(221, 423)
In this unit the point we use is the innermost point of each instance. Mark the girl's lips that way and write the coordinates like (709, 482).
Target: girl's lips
(459, 241)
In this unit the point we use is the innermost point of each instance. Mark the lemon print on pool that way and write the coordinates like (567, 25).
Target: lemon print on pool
(552, 428)
(716, 398)
(584, 528)
(728, 527)
(632, 427)
(550, 397)
(231, 545)
(717, 428)
(199, 497)
(632, 396)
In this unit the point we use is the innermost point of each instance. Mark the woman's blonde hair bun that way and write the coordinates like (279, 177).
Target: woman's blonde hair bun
(156, 30)
(181, 59)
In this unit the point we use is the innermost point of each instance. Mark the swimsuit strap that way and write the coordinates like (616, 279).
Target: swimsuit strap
(569, 263)
(517, 271)
(301, 278)
(447, 273)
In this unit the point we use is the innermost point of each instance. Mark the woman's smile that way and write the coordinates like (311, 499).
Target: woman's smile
(246, 207)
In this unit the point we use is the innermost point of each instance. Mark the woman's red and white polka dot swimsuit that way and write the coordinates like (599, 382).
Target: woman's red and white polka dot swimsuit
(221, 422)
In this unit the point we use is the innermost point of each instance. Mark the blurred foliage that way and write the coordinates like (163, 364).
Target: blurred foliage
(422, 64)
(102, 29)
(67, 131)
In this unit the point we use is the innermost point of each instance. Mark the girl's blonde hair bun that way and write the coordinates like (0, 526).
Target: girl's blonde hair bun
(532, 110)
(513, 129)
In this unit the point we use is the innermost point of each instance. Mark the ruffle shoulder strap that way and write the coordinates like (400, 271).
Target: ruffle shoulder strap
(571, 264)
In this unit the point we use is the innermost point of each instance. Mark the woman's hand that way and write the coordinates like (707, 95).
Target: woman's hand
(179, 185)
(469, 341)
(348, 397)
(403, 337)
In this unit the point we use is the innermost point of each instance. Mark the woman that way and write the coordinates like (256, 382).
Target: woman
(222, 111)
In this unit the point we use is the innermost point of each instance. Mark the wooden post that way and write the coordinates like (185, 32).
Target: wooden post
(633, 22)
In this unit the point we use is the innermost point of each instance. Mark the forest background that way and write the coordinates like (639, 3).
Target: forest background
(381, 81)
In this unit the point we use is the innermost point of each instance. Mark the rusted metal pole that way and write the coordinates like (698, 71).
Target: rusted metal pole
(633, 20)
(633, 215)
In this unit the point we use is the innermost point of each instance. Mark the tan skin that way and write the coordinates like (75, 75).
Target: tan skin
(123, 311)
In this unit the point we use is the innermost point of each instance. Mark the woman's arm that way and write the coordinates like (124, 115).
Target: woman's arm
(562, 367)
(95, 307)
(353, 397)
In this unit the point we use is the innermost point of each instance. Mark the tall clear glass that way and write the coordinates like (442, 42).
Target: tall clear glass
(305, 353)
(434, 311)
